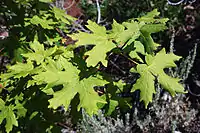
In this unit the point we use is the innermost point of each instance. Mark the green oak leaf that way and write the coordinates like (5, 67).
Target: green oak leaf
(161, 60)
(8, 114)
(151, 25)
(156, 66)
(145, 84)
(151, 14)
(149, 17)
(46, 1)
(100, 39)
(139, 48)
(39, 53)
(62, 16)
(155, 69)
(149, 43)
(170, 84)
(132, 32)
(44, 22)
(86, 92)
(146, 32)
(18, 70)
(153, 28)
(72, 85)
(112, 106)
(116, 30)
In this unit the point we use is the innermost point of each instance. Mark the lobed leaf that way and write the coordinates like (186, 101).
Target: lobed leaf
(139, 48)
(62, 16)
(154, 69)
(150, 18)
(100, 39)
(43, 22)
(72, 86)
(8, 114)
(145, 84)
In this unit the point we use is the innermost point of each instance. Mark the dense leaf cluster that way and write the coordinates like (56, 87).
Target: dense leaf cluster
(62, 75)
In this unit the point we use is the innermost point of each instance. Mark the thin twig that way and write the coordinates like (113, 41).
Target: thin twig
(83, 29)
(98, 11)
(79, 27)
(1, 50)
(73, 2)
(116, 66)
(129, 59)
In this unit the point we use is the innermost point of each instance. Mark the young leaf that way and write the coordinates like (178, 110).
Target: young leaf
(39, 53)
(151, 14)
(158, 63)
(100, 39)
(154, 68)
(46, 1)
(149, 43)
(8, 114)
(139, 48)
(44, 22)
(149, 18)
(18, 70)
(145, 84)
(132, 32)
(116, 30)
(62, 16)
(153, 28)
(112, 106)
(71, 86)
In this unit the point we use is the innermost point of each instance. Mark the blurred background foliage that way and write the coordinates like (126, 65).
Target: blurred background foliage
(126, 9)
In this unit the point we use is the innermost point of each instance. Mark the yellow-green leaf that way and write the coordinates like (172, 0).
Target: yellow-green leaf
(155, 69)
(100, 39)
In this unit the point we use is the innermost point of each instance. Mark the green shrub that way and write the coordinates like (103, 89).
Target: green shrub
(50, 75)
